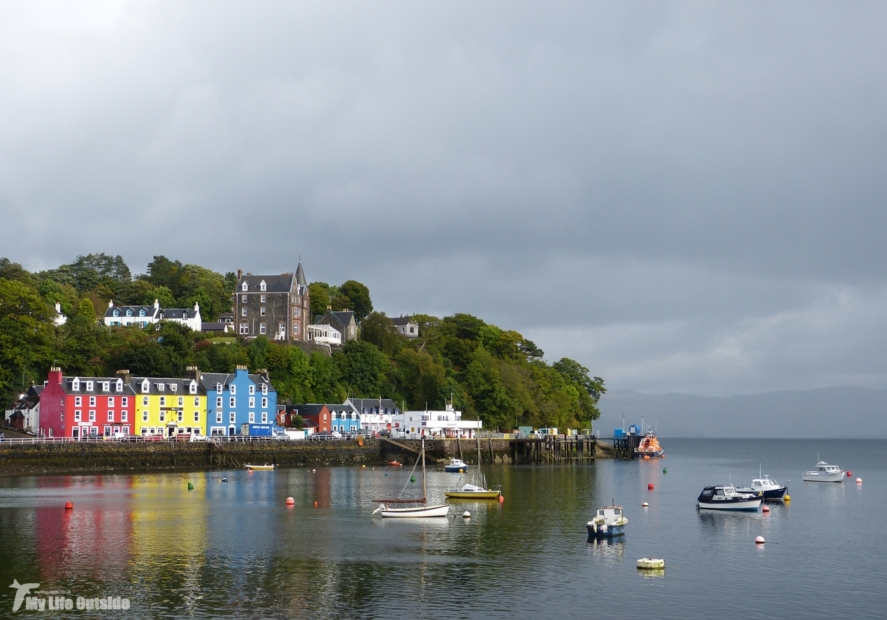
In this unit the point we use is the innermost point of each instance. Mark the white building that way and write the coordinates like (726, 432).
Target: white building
(446, 423)
(122, 316)
(60, 319)
(186, 316)
(325, 334)
(376, 414)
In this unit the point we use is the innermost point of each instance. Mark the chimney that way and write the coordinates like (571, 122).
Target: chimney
(125, 375)
(111, 303)
(239, 273)
(263, 372)
(192, 372)
(55, 376)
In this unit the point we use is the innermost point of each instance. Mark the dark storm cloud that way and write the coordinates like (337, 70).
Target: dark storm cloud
(679, 195)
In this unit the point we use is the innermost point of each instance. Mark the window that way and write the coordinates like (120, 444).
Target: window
(252, 402)
(218, 387)
(244, 287)
(78, 401)
(264, 388)
(163, 401)
(296, 328)
(244, 329)
(163, 416)
(161, 387)
(110, 416)
(231, 417)
(264, 418)
(144, 416)
(145, 386)
(233, 389)
(243, 311)
(89, 386)
(77, 415)
(196, 416)
(262, 299)
(92, 415)
(264, 403)
(252, 417)
(262, 311)
(192, 389)
(92, 401)
(181, 401)
(124, 401)
(75, 385)
(145, 401)
(181, 416)
(252, 390)
(129, 312)
(106, 386)
(123, 417)
(261, 328)
(110, 401)
(218, 402)
(219, 417)
(142, 312)
(295, 312)
(119, 385)
(262, 286)
(173, 387)
(232, 403)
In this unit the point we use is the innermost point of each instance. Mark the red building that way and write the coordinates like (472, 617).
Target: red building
(318, 414)
(81, 407)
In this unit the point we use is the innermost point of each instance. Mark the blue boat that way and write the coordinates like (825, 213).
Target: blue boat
(607, 523)
(456, 466)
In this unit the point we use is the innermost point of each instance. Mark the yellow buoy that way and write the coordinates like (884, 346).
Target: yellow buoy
(787, 497)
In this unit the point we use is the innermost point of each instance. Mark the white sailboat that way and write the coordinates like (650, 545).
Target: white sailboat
(407, 512)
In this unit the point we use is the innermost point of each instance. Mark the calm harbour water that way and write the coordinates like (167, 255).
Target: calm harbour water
(235, 550)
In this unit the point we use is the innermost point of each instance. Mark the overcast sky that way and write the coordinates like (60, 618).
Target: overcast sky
(682, 196)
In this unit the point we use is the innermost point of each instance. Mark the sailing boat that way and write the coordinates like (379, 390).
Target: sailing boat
(473, 491)
(412, 511)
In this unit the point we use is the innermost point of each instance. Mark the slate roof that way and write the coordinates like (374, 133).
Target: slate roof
(304, 410)
(371, 405)
(401, 320)
(181, 386)
(208, 380)
(343, 317)
(273, 284)
(213, 327)
(301, 280)
(150, 311)
(97, 386)
(177, 313)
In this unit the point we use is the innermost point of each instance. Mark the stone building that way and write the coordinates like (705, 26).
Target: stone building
(274, 306)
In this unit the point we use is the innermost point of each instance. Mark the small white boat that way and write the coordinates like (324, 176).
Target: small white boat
(456, 466)
(609, 521)
(412, 512)
(770, 489)
(726, 497)
(825, 473)
(651, 563)
(259, 467)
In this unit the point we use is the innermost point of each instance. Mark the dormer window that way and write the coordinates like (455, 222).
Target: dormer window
(75, 385)
(119, 385)
(245, 287)
(116, 312)
(161, 387)
(142, 312)
(192, 389)
(89, 386)
(264, 388)
(185, 314)
(146, 386)
(173, 387)
(262, 286)
(128, 312)
(106, 386)
(218, 387)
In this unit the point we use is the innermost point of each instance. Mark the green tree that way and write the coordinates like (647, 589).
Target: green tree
(377, 328)
(320, 298)
(359, 295)
(362, 367)
(26, 335)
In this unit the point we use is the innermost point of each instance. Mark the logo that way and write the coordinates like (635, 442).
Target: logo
(53, 602)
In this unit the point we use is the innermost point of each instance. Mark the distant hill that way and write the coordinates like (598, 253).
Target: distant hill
(825, 412)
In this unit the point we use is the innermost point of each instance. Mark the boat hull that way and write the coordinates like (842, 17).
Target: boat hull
(831, 477)
(473, 494)
(745, 504)
(597, 532)
(769, 494)
(453, 469)
(419, 511)
(260, 467)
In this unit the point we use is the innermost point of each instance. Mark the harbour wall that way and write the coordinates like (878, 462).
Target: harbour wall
(82, 457)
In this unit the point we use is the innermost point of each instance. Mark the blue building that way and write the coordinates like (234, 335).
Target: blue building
(344, 418)
(236, 399)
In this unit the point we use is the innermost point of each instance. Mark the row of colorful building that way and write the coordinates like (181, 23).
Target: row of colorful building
(205, 404)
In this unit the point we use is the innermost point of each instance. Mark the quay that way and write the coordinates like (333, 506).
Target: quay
(40, 455)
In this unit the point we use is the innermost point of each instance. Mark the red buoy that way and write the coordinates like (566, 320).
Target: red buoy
(849, 474)
(69, 506)
(290, 501)
(315, 504)
(501, 499)
(650, 486)
(765, 509)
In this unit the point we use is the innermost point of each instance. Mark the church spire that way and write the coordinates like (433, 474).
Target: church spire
(301, 280)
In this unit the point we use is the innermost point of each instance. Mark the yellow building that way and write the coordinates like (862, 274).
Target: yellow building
(169, 407)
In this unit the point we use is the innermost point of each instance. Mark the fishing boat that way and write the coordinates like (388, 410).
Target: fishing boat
(825, 473)
(456, 466)
(649, 447)
(726, 497)
(421, 507)
(608, 522)
(769, 489)
(259, 467)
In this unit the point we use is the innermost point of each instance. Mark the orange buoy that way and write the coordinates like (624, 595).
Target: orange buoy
(765, 509)
(69, 506)
(501, 499)
(250, 472)
(290, 501)
(315, 504)
(650, 487)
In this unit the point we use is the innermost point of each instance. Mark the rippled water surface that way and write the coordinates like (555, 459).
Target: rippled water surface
(235, 550)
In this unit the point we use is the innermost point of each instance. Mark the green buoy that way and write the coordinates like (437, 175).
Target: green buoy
(190, 487)
(664, 470)
(412, 479)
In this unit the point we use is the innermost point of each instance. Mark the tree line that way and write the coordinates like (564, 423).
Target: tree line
(489, 373)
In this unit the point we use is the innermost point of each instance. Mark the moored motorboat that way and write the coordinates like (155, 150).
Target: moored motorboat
(473, 491)
(726, 497)
(769, 489)
(259, 467)
(456, 466)
(825, 473)
(608, 522)
(649, 447)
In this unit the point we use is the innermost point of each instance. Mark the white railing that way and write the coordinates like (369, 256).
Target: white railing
(154, 439)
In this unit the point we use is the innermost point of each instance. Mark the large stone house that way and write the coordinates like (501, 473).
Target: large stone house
(274, 306)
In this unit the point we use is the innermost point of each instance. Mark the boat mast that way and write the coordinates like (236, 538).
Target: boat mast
(424, 491)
